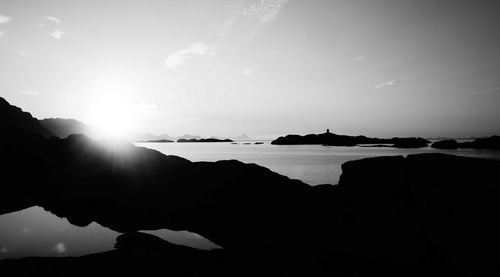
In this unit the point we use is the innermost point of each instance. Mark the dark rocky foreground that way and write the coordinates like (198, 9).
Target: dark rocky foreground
(331, 139)
(423, 215)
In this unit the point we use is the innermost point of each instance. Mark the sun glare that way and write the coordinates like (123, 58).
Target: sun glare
(111, 114)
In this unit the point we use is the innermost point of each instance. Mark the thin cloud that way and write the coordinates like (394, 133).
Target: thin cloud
(1, 33)
(4, 19)
(54, 19)
(485, 91)
(30, 92)
(248, 70)
(274, 53)
(148, 110)
(56, 34)
(187, 119)
(358, 58)
(263, 11)
(60, 248)
(194, 49)
(391, 83)
(22, 91)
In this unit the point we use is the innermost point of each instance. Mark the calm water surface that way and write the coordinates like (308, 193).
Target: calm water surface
(312, 164)
(35, 232)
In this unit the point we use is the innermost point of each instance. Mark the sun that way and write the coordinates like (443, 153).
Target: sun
(110, 115)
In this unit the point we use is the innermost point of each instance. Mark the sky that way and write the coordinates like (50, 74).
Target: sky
(264, 68)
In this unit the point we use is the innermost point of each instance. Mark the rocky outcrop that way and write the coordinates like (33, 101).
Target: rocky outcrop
(492, 142)
(430, 211)
(409, 142)
(85, 181)
(445, 144)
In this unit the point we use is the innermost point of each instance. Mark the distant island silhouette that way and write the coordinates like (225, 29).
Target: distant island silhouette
(492, 142)
(330, 139)
(420, 215)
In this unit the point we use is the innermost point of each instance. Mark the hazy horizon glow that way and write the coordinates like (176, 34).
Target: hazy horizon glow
(263, 68)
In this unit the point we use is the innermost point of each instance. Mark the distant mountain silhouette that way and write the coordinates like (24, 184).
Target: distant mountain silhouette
(159, 140)
(242, 137)
(331, 139)
(188, 136)
(64, 127)
(16, 124)
(204, 140)
(138, 137)
(426, 214)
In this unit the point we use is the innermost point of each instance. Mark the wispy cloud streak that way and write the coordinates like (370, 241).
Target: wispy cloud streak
(4, 19)
(264, 10)
(485, 91)
(54, 19)
(391, 83)
(30, 92)
(195, 49)
(56, 25)
(248, 70)
(358, 58)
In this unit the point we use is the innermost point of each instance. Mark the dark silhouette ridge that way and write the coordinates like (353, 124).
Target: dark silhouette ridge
(331, 139)
(204, 140)
(427, 214)
(64, 127)
(16, 124)
(492, 143)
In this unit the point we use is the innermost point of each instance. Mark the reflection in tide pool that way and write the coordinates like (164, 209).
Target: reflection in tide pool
(34, 232)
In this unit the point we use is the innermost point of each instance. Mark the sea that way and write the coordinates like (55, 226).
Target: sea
(36, 232)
